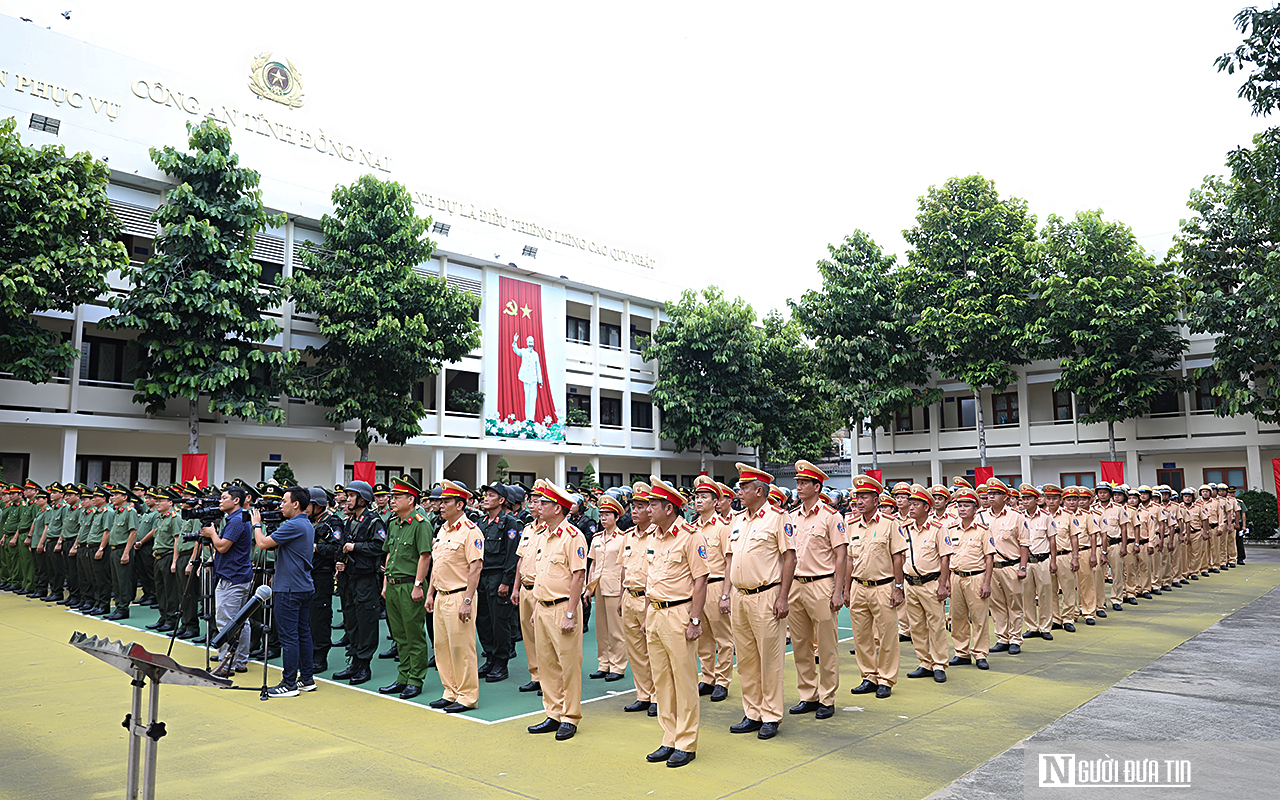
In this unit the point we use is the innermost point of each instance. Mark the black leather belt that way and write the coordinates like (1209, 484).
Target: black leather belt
(812, 578)
(450, 591)
(661, 604)
(921, 580)
(1036, 558)
(398, 581)
(714, 580)
(526, 585)
(636, 592)
(759, 589)
(1064, 552)
(115, 546)
(968, 574)
(1115, 540)
(870, 584)
(550, 603)
(1008, 562)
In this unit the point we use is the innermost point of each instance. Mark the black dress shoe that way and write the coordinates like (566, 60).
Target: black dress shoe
(117, 614)
(165, 627)
(410, 692)
(1087, 621)
(613, 676)
(1014, 649)
(653, 709)
(705, 689)
(431, 662)
(957, 661)
(1194, 577)
(1146, 595)
(454, 708)
(1032, 635)
(343, 642)
(747, 725)
(189, 633)
(680, 757)
(1048, 637)
(1215, 570)
(1133, 601)
(639, 705)
(661, 754)
(548, 725)
(719, 693)
(982, 664)
(768, 730)
(902, 637)
(484, 668)
(1117, 607)
(825, 712)
(1184, 582)
(597, 675)
(154, 625)
(531, 686)
(805, 707)
(866, 687)
(939, 676)
(1055, 627)
(394, 688)
(1155, 591)
(999, 647)
(566, 731)
(391, 652)
(352, 669)
(1068, 627)
(498, 674)
(441, 703)
(920, 672)
(883, 691)
(1102, 613)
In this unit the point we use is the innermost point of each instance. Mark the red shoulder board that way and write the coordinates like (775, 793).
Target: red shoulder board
(419, 518)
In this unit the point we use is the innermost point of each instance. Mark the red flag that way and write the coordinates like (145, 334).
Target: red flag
(876, 473)
(365, 471)
(982, 474)
(1275, 468)
(522, 354)
(1112, 471)
(195, 465)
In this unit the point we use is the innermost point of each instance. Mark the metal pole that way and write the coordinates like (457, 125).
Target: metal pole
(135, 713)
(149, 762)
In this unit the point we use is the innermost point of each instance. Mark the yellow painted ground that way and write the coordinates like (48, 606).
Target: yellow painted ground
(60, 734)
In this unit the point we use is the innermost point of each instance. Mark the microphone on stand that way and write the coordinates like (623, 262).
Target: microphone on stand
(260, 597)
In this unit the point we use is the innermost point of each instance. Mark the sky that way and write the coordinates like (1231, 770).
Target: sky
(733, 141)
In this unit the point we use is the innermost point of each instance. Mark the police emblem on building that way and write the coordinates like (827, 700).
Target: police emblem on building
(276, 81)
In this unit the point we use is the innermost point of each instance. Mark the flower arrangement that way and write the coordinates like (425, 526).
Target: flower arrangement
(547, 430)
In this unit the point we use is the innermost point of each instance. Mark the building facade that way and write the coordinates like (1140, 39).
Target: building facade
(579, 309)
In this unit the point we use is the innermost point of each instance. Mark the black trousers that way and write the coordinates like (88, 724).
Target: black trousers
(360, 614)
(322, 613)
(186, 593)
(493, 620)
(145, 575)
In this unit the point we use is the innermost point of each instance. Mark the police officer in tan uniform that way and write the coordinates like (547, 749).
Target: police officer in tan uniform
(605, 584)
(1038, 601)
(761, 564)
(817, 594)
(522, 594)
(927, 569)
(972, 564)
(560, 567)
(715, 645)
(876, 555)
(1011, 537)
(676, 593)
(457, 557)
(631, 607)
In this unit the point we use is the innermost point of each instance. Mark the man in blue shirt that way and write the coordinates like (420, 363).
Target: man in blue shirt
(233, 576)
(291, 589)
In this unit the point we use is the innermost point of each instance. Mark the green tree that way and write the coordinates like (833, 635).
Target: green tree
(197, 304)
(708, 363)
(588, 480)
(966, 285)
(284, 475)
(387, 328)
(866, 357)
(1259, 53)
(795, 412)
(57, 244)
(502, 470)
(1111, 315)
(1260, 513)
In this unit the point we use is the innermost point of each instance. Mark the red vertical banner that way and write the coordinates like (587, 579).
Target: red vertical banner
(524, 390)
(195, 465)
(366, 471)
(1275, 469)
(877, 474)
(1112, 471)
(982, 474)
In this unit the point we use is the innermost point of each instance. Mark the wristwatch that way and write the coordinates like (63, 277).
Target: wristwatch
(694, 621)
(568, 615)
(897, 586)
(724, 597)
(466, 601)
(416, 584)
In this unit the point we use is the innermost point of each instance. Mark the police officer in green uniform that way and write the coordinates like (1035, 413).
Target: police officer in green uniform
(47, 549)
(408, 548)
(144, 562)
(122, 537)
(67, 542)
(99, 534)
(26, 519)
(34, 545)
(164, 576)
(493, 595)
(358, 562)
(188, 589)
(85, 549)
(382, 502)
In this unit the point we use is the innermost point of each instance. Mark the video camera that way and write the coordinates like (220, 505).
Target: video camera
(205, 509)
(272, 516)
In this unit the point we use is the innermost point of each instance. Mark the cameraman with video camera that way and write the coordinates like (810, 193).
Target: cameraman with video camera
(232, 573)
(294, 545)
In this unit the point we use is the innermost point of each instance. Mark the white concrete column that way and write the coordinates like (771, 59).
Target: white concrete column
(595, 366)
(1026, 467)
(559, 470)
(1255, 478)
(935, 470)
(482, 468)
(626, 373)
(440, 382)
(595, 464)
(338, 462)
(70, 440)
(219, 458)
(1131, 476)
(655, 467)
(437, 467)
(443, 262)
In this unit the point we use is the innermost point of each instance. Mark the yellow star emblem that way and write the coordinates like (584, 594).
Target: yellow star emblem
(526, 310)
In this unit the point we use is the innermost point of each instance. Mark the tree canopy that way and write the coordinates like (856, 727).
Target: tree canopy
(795, 410)
(58, 241)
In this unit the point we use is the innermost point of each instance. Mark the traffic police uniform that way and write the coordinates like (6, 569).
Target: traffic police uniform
(875, 556)
(458, 547)
(525, 550)
(1039, 601)
(820, 541)
(635, 570)
(605, 583)
(715, 645)
(926, 567)
(972, 564)
(1011, 537)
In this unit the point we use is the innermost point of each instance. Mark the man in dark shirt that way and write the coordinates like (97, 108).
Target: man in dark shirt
(493, 614)
(294, 546)
(232, 574)
(330, 536)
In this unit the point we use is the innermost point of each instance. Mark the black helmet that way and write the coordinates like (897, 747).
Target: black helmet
(361, 488)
